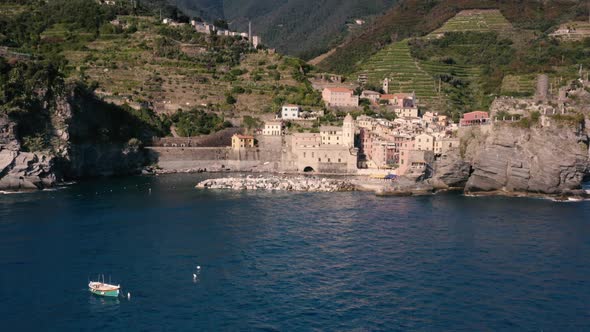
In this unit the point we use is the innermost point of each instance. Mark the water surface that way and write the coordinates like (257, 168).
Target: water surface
(289, 261)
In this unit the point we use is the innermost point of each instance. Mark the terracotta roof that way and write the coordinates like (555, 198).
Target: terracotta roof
(476, 112)
(339, 90)
(396, 95)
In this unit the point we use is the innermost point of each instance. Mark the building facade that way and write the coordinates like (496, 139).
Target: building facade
(340, 97)
(290, 112)
(273, 128)
(242, 141)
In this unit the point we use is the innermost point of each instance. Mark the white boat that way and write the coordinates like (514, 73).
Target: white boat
(104, 289)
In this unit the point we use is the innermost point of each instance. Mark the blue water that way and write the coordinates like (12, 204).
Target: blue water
(289, 262)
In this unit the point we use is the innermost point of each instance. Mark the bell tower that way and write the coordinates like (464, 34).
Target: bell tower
(348, 131)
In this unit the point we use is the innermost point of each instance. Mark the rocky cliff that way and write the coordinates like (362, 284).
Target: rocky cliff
(22, 170)
(508, 159)
(63, 159)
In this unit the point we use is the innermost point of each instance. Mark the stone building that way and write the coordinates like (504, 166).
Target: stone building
(424, 142)
(443, 145)
(330, 151)
(340, 97)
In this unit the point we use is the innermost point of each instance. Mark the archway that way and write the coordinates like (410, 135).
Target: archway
(308, 169)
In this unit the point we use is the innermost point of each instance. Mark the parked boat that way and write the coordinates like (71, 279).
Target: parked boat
(104, 289)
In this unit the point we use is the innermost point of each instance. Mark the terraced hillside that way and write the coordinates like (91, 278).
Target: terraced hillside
(11, 10)
(475, 20)
(519, 84)
(573, 31)
(146, 66)
(406, 75)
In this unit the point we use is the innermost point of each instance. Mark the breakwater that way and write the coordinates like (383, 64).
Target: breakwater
(269, 183)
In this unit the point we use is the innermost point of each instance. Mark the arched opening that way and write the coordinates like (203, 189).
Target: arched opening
(308, 169)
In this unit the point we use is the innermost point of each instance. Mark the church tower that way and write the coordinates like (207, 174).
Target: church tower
(386, 85)
(348, 131)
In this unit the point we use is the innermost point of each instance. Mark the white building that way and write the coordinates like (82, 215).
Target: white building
(290, 112)
(256, 40)
(273, 128)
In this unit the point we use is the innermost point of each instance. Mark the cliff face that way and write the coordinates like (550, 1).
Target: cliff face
(22, 170)
(508, 159)
(66, 160)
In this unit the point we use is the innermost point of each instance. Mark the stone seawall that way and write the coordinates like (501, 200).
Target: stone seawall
(213, 159)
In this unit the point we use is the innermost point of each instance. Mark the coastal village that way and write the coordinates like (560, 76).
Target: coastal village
(205, 98)
(406, 143)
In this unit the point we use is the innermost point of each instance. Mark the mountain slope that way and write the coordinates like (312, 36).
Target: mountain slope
(299, 27)
(412, 18)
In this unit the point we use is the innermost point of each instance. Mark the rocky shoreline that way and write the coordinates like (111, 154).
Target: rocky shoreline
(278, 183)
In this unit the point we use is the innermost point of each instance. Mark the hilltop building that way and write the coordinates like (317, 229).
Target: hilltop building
(290, 112)
(475, 118)
(373, 96)
(342, 97)
(400, 99)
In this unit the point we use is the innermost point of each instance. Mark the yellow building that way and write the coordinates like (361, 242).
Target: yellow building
(242, 141)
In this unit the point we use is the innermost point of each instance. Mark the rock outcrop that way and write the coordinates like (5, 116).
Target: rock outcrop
(450, 171)
(22, 170)
(552, 161)
(25, 170)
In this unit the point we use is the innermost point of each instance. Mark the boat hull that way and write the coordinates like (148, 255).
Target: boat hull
(107, 293)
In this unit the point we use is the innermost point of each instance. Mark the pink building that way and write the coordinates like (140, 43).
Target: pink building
(342, 97)
(475, 118)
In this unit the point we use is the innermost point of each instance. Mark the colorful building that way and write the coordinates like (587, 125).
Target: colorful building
(475, 118)
(242, 141)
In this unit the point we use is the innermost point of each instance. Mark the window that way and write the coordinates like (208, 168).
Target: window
(304, 154)
(320, 160)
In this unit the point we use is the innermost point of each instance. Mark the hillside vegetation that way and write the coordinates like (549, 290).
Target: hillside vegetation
(130, 63)
(417, 18)
(303, 28)
(462, 63)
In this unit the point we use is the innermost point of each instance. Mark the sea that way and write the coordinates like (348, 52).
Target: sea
(202, 260)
